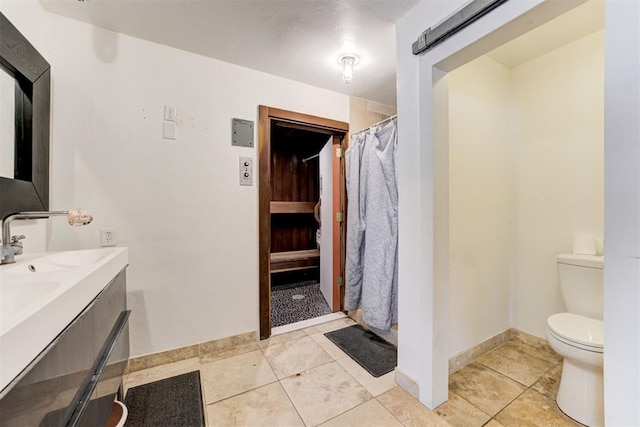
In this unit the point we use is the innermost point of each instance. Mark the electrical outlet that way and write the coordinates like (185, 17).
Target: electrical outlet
(107, 237)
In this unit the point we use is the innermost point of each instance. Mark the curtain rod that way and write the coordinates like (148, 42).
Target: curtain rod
(309, 158)
(395, 116)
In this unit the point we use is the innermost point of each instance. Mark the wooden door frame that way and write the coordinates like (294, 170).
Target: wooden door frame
(340, 131)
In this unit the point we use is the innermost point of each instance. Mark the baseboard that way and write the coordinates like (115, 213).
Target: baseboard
(207, 349)
(467, 356)
(463, 358)
(407, 383)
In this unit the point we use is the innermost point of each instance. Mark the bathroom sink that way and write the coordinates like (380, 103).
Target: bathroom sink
(69, 259)
(16, 296)
(42, 293)
(61, 261)
(38, 265)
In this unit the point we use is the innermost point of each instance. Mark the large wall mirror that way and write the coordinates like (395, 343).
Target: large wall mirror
(25, 82)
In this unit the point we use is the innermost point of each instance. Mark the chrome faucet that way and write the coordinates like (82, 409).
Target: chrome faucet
(11, 245)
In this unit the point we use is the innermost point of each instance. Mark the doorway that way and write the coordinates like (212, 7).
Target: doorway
(301, 229)
(425, 153)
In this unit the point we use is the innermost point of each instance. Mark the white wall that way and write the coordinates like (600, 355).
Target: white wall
(526, 176)
(191, 229)
(481, 202)
(7, 120)
(558, 101)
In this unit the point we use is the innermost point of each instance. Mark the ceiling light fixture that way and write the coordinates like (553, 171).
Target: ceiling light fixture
(348, 62)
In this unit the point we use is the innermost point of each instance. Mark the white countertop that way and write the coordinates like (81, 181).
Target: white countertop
(37, 306)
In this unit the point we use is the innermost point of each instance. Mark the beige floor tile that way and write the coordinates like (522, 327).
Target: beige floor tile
(335, 324)
(484, 388)
(228, 352)
(510, 361)
(279, 339)
(311, 330)
(324, 392)
(408, 410)
(370, 414)
(493, 423)
(264, 406)
(292, 357)
(234, 375)
(458, 412)
(548, 384)
(328, 346)
(375, 386)
(533, 409)
(537, 347)
(161, 372)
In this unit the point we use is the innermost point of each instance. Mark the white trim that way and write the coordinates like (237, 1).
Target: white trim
(279, 330)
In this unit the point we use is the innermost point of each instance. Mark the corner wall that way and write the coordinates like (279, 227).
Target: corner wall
(190, 228)
(558, 101)
(481, 203)
(526, 176)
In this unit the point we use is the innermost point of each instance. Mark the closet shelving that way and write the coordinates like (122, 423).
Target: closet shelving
(291, 207)
(295, 191)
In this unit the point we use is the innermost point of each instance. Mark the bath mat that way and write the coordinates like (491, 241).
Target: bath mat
(371, 352)
(176, 401)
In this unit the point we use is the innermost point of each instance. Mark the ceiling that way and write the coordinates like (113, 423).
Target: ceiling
(296, 39)
(571, 26)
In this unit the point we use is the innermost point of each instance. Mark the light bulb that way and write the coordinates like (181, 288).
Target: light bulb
(347, 61)
(347, 70)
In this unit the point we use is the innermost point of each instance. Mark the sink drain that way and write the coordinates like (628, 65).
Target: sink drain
(297, 296)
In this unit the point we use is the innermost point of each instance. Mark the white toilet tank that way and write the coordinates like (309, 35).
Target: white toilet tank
(581, 283)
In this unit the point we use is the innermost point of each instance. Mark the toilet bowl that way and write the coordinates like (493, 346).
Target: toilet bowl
(578, 336)
(580, 341)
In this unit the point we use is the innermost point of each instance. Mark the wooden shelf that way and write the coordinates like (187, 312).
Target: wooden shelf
(294, 260)
(291, 207)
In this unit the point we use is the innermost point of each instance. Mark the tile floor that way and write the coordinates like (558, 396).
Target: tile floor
(296, 302)
(302, 379)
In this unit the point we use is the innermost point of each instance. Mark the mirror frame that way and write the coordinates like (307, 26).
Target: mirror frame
(29, 189)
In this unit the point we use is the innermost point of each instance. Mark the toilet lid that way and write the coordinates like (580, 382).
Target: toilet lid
(584, 331)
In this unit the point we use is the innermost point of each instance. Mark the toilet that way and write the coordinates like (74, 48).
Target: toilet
(578, 336)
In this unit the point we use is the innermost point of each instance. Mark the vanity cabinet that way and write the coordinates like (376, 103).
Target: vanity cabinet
(75, 379)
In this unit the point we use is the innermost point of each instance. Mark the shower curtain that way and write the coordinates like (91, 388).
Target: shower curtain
(371, 270)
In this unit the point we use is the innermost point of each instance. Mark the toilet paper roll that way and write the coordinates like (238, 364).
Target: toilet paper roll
(584, 245)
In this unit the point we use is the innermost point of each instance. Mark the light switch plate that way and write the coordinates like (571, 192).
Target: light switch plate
(246, 171)
(169, 130)
(170, 113)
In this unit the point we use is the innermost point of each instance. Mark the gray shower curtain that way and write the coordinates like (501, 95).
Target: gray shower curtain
(371, 271)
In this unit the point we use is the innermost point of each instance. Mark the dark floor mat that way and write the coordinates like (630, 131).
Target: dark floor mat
(371, 352)
(176, 401)
(296, 302)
